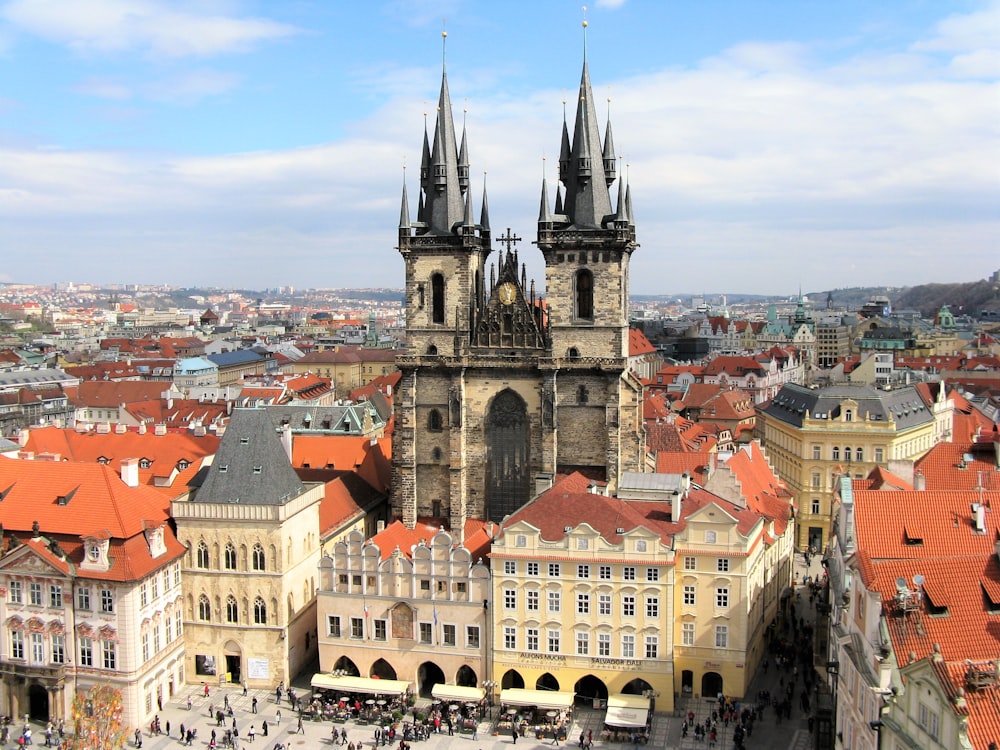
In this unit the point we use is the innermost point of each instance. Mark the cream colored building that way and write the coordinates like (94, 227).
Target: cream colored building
(408, 605)
(252, 532)
(582, 598)
(814, 435)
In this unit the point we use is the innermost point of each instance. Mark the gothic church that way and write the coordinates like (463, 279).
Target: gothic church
(502, 389)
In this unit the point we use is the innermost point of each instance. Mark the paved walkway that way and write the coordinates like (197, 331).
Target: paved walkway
(768, 734)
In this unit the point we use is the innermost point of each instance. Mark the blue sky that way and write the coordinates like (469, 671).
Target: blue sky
(260, 144)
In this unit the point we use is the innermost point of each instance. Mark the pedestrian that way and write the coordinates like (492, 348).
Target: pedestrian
(138, 737)
(299, 729)
(189, 705)
(253, 703)
(245, 688)
(343, 736)
(225, 701)
(251, 733)
(168, 728)
(475, 731)
(206, 688)
(263, 727)
(159, 702)
(513, 734)
(181, 735)
(277, 716)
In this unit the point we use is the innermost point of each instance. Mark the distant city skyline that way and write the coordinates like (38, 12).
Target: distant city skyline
(251, 144)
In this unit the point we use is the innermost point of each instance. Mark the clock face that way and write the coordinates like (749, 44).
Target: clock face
(507, 293)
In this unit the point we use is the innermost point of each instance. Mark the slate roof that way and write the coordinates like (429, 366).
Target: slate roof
(233, 359)
(251, 466)
(904, 405)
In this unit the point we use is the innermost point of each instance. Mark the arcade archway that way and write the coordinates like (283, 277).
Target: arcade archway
(466, 677)
(429, 674)
(511, 679)
(348, 666)
(711, 685)
(589, 689)
(383, 670)
(638, 686)
(547, 682)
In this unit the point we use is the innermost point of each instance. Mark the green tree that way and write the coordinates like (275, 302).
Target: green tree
(97, 720)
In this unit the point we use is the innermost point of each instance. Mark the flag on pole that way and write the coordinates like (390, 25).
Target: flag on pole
(366, 609)
(435, 616)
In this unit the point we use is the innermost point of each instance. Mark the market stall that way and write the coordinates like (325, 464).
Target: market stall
(627, 719)
(465, 705)
(546, 713)
(366, 699)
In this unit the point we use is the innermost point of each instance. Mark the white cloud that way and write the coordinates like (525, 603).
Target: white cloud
(191, 86)
(104, 88)
(757, 170)
(154, 27)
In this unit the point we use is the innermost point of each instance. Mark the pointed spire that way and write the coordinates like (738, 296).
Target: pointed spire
(425, 158)
(588, 202)
(544, 217)
(559, 201)
(484, 215)
(444, 207)
(404, 211)
(621, 214)
(463, 162)
(628, 204)
(609, 151)
(468, 224)
(564, 150)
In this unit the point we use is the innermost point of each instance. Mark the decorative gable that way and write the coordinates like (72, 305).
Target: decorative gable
(96, 553)
(509, 320)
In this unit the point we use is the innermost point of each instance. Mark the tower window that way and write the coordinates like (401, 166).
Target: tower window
(437, 298)
(584, 295)
(434, 421)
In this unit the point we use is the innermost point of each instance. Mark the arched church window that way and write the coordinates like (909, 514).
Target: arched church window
(432, 350)
(204, 609)
(232, 609)
(584, 295)
(437, 298)
(259, 611)
(573, 353)
(434, 421)
(582, 396)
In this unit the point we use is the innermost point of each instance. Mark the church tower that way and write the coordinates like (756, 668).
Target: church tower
(500, 389)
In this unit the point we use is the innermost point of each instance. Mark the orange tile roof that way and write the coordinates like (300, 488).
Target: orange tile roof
(941, 466)
(345, 498)
(348, 453)
(763, 491)
(111, 394)
(396, 534)
(638, 344)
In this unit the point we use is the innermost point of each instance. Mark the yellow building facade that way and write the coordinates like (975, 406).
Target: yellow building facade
(814, 436)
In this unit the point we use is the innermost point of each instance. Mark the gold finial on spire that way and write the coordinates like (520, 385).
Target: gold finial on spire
(585, 33)
(444, 39)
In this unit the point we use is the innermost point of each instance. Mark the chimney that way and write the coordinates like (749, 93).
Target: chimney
(919, 481)
(159, 429)
(22, 436)
(26, 455)
(543, 482)
(142, 428)
(130, 471)
(120, 429)
(286, 440)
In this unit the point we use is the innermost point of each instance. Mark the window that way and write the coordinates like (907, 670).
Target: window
(652, 646)
(722, 564)
(259, 560)
(145, 646)
(157, 645)
(604, 604)
(584, 295)
(847, 453)
(531, 600)
(449, 634)
(709, 537)
(177, 575)
(816, 481)
(434, 421)
(232, 609)
(109, 654)
(628, 646)
(640, 545)
(553, 641)
(555, 603)
(582, 643)
(533, 570)
(204, 609)
(928, 720)
(86, 652)
(426, 632)
(425, 584)
(230, 558)
(509, 638)
(628, 606)
(143, 594)
(652, 606)
(380, 630)
(554, 570)
(815, 506)
(260, 614)
(690, 563)
(582, 543)
(510, 567)
(178, 623)
(37, 648)
(816, 453)
(859, 454)
(604, 572)
(689, 595)
(107, 601)
(652, 574)
(848, 416)
(15, 593)
(722, 597)
(58, 648)
(722, 636)
(168, 627)
(333, 626)
(583, 604)
(472, 636)
(202, 555)
(532, 643)
(55, 596)
(879, 455)
(35, 594)
(521, 541)
(836, 453)
(437, 298)
(510, 598)
(687, 634)
(154, 588)
(16, 644)
(604, 644)
(628, 573)
(357, 628)
(583, 571)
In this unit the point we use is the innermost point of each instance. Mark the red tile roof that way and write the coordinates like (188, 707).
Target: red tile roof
(638, 344)
(960, 466)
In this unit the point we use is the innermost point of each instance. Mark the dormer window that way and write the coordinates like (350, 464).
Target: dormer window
(848, 415)
(145, 463)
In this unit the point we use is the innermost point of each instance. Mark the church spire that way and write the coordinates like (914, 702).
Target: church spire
(404, 211)
(609, 151)
(443, 209)
(463, 162)
(484, 215)
(544, 215)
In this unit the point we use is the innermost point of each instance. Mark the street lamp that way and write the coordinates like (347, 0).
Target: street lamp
(488, 686)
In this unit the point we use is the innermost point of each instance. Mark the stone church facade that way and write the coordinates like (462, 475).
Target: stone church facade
(502, 389)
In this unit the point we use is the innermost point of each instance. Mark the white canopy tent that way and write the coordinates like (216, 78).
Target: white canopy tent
(627, 711)
(457, 693)
(367, 685)
(547, 699)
